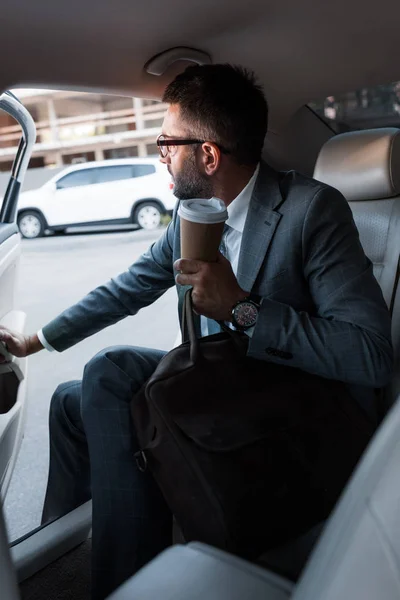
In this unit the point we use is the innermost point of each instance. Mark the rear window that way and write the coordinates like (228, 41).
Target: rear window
(365, 108)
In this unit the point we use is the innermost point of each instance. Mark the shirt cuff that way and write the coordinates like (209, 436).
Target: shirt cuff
(44, 342)
(249, 332)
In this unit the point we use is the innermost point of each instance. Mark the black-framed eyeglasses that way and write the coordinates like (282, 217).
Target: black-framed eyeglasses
(170, 146)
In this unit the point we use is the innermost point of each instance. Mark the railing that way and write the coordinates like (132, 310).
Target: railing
(59, 129)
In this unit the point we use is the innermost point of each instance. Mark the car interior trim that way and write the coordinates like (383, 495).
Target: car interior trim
(46, 544)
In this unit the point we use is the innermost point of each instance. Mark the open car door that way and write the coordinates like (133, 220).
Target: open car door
(13, 374)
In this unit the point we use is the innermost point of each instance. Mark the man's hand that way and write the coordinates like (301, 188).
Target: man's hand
(18, 344)
(215, 287)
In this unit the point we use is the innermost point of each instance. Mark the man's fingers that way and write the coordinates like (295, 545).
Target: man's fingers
(5, 337)
(187, 265)
(185, 279)
(3, 347)
(9, 341)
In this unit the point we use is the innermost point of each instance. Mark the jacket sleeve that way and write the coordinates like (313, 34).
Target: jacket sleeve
(349, 336)
(142, 284)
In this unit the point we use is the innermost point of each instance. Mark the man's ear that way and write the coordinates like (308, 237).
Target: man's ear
(211, 158)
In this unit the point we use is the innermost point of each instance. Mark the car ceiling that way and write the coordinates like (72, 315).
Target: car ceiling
(300, 49)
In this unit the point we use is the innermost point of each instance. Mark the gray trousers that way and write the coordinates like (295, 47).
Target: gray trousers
(92, 446)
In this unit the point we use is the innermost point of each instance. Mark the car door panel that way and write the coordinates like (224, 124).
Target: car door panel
(113, 196)
(71, 205)
(113, 200)
(9, 261)
(7, 230)
(70, 200)
(13, 387)
(103, 201)
(12, 374)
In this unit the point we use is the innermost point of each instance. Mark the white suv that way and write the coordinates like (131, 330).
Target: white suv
(132, 190)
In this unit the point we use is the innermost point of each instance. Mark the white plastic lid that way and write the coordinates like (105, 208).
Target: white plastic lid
(198, 210)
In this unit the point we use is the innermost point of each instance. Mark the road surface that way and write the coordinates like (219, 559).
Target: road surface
(57, 271)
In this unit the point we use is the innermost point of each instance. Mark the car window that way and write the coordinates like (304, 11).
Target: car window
(120, 172)
(79, 178)
(89, 128)
(141, 170)
(106, 174)
(365, 108)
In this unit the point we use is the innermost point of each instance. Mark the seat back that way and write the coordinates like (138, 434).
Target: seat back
(358, 555)
(365, 167)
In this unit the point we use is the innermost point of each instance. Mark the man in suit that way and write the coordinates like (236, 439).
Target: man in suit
(290, 243)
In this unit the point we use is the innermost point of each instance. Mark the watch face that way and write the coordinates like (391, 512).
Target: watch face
(246, 314)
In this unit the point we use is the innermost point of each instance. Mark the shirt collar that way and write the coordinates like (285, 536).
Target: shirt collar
(238, 208)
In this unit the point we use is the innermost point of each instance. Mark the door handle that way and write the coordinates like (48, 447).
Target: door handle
(12, 364)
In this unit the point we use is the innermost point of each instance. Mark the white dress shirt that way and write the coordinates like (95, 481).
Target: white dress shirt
(232, 240)
(44, 342)
(237, 213)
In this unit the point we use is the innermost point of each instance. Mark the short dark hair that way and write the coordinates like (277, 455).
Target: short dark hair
(224, 104)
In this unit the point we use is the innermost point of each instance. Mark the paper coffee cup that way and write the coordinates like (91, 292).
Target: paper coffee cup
(202, 224)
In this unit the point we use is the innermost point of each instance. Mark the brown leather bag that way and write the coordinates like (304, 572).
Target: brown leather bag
(247, 453)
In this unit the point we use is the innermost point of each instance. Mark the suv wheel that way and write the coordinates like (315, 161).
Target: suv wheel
(148, 215)
(31, 224)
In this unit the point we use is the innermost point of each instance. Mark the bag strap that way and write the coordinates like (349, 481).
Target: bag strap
(188, 328)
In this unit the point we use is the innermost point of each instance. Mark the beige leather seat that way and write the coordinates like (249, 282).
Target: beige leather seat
(365, 167)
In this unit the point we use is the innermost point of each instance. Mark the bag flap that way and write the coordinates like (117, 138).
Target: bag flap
(225, 400)
(222, 433)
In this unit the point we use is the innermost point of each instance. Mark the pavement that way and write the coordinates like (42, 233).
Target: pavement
(57, 271)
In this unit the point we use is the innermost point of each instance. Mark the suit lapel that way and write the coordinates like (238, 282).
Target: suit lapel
(261, 222)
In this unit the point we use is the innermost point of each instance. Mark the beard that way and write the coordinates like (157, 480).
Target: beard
(190, 183)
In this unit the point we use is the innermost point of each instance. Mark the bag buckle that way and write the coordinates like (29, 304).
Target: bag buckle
(141, 461)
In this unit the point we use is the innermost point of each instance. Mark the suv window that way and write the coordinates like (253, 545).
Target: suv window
(365, 108)
(83, 177)
(105, 174)
(119, 172)
(141, 170)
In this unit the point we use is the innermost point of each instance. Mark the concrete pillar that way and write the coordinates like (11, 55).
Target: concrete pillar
(52, 120)
(138, 106)
(53, 158)
(98, 154)
(142, 150)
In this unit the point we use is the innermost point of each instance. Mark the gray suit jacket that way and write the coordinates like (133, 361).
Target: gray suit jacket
(322, 309)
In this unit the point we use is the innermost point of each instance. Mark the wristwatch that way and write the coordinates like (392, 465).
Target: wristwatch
(244, 314)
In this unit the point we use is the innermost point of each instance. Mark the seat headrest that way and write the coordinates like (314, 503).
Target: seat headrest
(363, 165)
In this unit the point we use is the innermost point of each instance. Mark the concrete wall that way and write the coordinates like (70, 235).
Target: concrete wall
(34, 178)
